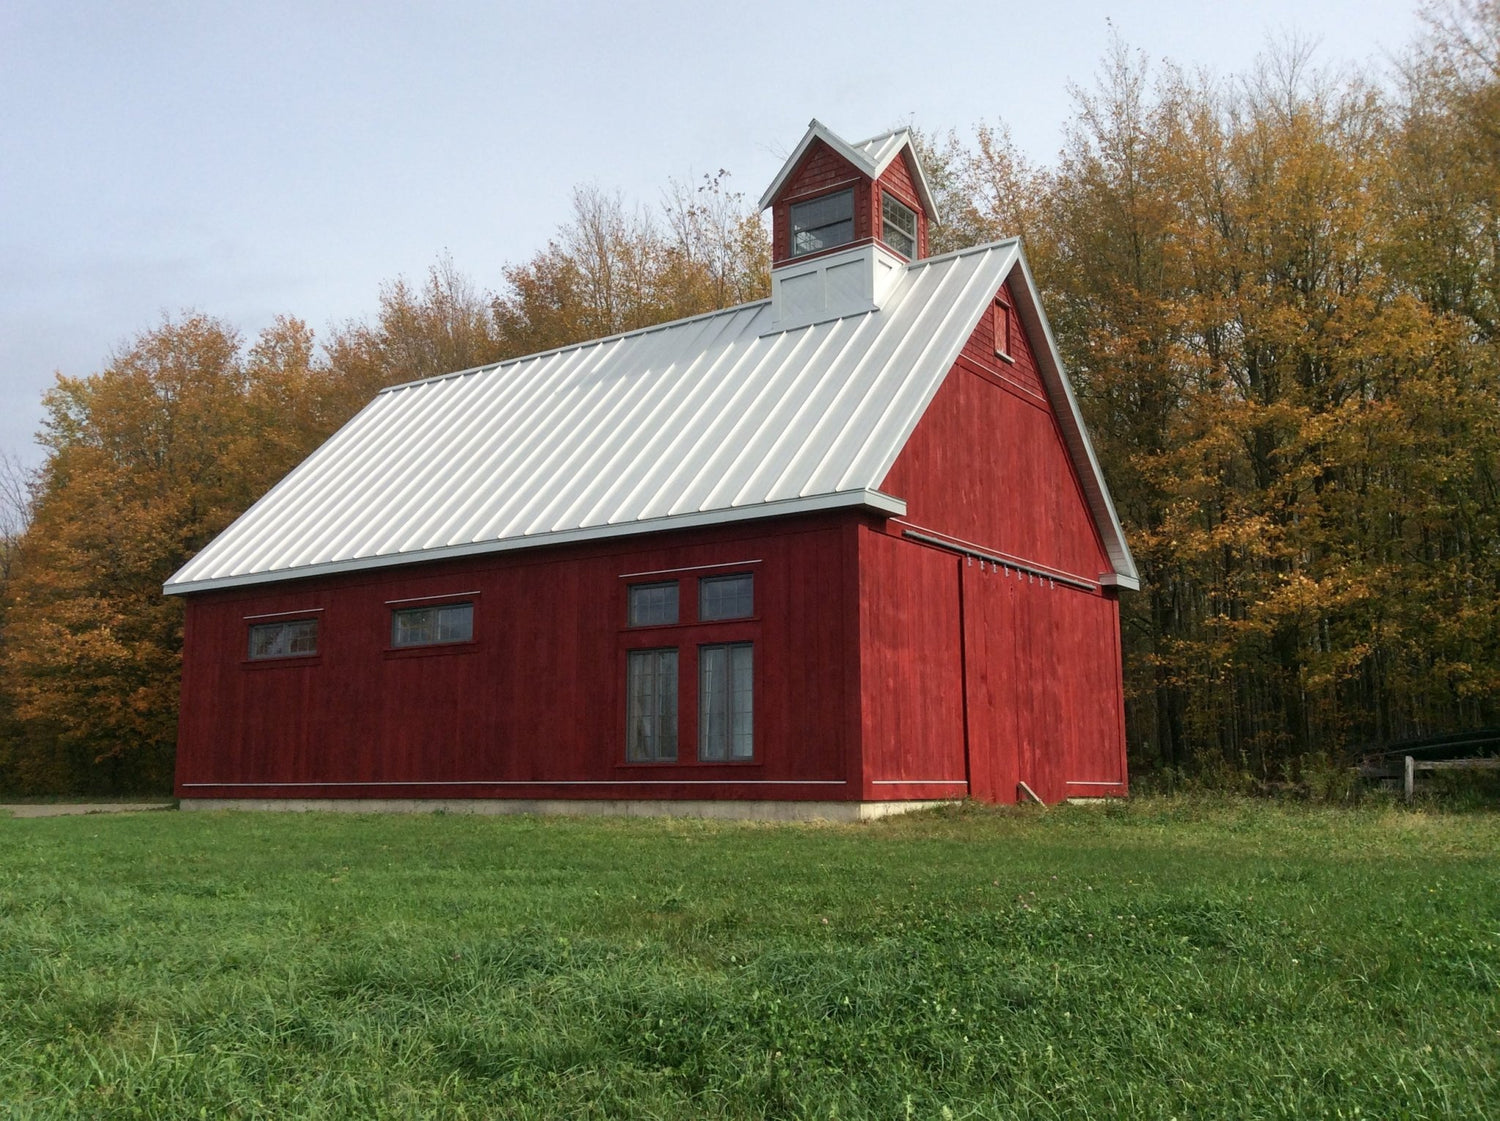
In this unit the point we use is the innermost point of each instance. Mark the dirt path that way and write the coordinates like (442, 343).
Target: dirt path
(63, 809)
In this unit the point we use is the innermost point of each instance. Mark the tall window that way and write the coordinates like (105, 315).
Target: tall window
(432, 626)
(822, 223)
(293, 638)
(726, 702)
(1002, 323)
(898, 227)
(651, 706)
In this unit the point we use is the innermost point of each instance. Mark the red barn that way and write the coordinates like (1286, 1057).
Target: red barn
(836, 553)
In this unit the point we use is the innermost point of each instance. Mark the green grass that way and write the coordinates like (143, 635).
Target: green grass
(1161, 959)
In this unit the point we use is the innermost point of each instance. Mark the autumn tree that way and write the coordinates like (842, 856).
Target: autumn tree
(614, 268)
(1273, 294)
(443, 325)
(147, 460)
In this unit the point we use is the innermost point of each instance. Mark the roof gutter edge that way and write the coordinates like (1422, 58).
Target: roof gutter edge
(872, 500)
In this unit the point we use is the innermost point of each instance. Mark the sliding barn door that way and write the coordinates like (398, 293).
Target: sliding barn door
(1041, 688)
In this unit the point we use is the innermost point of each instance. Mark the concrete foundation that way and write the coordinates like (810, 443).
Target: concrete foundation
(732, 811)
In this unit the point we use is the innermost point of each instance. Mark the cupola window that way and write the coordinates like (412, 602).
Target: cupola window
(822, 223)
(898, 227)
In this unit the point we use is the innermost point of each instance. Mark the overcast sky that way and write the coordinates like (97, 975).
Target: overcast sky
(263, 158)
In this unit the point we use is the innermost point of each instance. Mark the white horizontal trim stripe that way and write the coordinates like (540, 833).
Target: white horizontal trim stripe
(287, 614)
(1081, 783)
(688, 568)
(439, 595)
(543, 782)
(919, 782)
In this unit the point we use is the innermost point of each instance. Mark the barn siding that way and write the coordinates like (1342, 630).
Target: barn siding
(987, 463)
(1044, 702)
(911, 670)
(1041, 683)
(538, 699)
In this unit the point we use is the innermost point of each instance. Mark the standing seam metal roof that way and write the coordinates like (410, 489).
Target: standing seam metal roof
(705, 420)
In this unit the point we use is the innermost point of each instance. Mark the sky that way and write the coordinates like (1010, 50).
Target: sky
(254, 160)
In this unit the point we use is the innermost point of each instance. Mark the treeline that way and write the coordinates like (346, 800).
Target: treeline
(1277, 298)
(1276, 295)
(187, 425)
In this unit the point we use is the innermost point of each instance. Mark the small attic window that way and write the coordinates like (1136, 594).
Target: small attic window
(1002, 323)
(898, 227)
(822, 223)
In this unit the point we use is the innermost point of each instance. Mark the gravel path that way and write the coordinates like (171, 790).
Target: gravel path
(63, 809)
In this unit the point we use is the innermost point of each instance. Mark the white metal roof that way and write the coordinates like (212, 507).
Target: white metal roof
(702, 421)
(870, 156)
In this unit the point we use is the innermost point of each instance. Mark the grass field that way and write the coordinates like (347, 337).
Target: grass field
(1165, 958)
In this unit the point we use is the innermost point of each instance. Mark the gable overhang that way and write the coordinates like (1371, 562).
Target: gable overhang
(1075, 434)
(889, 146)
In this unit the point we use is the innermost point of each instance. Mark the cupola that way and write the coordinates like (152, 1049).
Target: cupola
(845, 219)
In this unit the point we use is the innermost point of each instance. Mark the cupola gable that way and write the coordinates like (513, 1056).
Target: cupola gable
(845, 218)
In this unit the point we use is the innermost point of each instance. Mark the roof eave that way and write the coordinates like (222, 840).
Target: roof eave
(873, 501)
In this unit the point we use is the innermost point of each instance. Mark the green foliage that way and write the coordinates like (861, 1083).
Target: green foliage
(1172, 957)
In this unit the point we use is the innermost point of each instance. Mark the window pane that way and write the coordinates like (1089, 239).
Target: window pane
(651, 706)
(726, 702)
(455, 623)
(653, 605)
(726, 597)
(742, 710)
(713, 701)
(899, 227)
(295, 639)
(822, 223)
(429, 626)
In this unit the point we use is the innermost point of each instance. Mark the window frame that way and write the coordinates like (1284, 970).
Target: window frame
(395, 624)
(653, 585)
(687, 638)
(1003, 317)
(730, 733)
(724, 578)
(791, 223)
(886, 224)
(281, 625)
(672, 725)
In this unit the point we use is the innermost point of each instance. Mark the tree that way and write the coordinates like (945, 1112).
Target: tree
(611, 269)
(148, 460)
(445, 325)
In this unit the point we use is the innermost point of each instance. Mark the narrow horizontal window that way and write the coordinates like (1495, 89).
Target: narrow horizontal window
(651, 706)
(898, 227)
(292, 638)
(726, 703)
(432, 626)
(822, 223)
(726, 597)
(653, 605)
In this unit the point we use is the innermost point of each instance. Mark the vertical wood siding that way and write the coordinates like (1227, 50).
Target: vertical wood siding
(987, 463)
(537, 699)
(1042, 700)
(911, 670)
